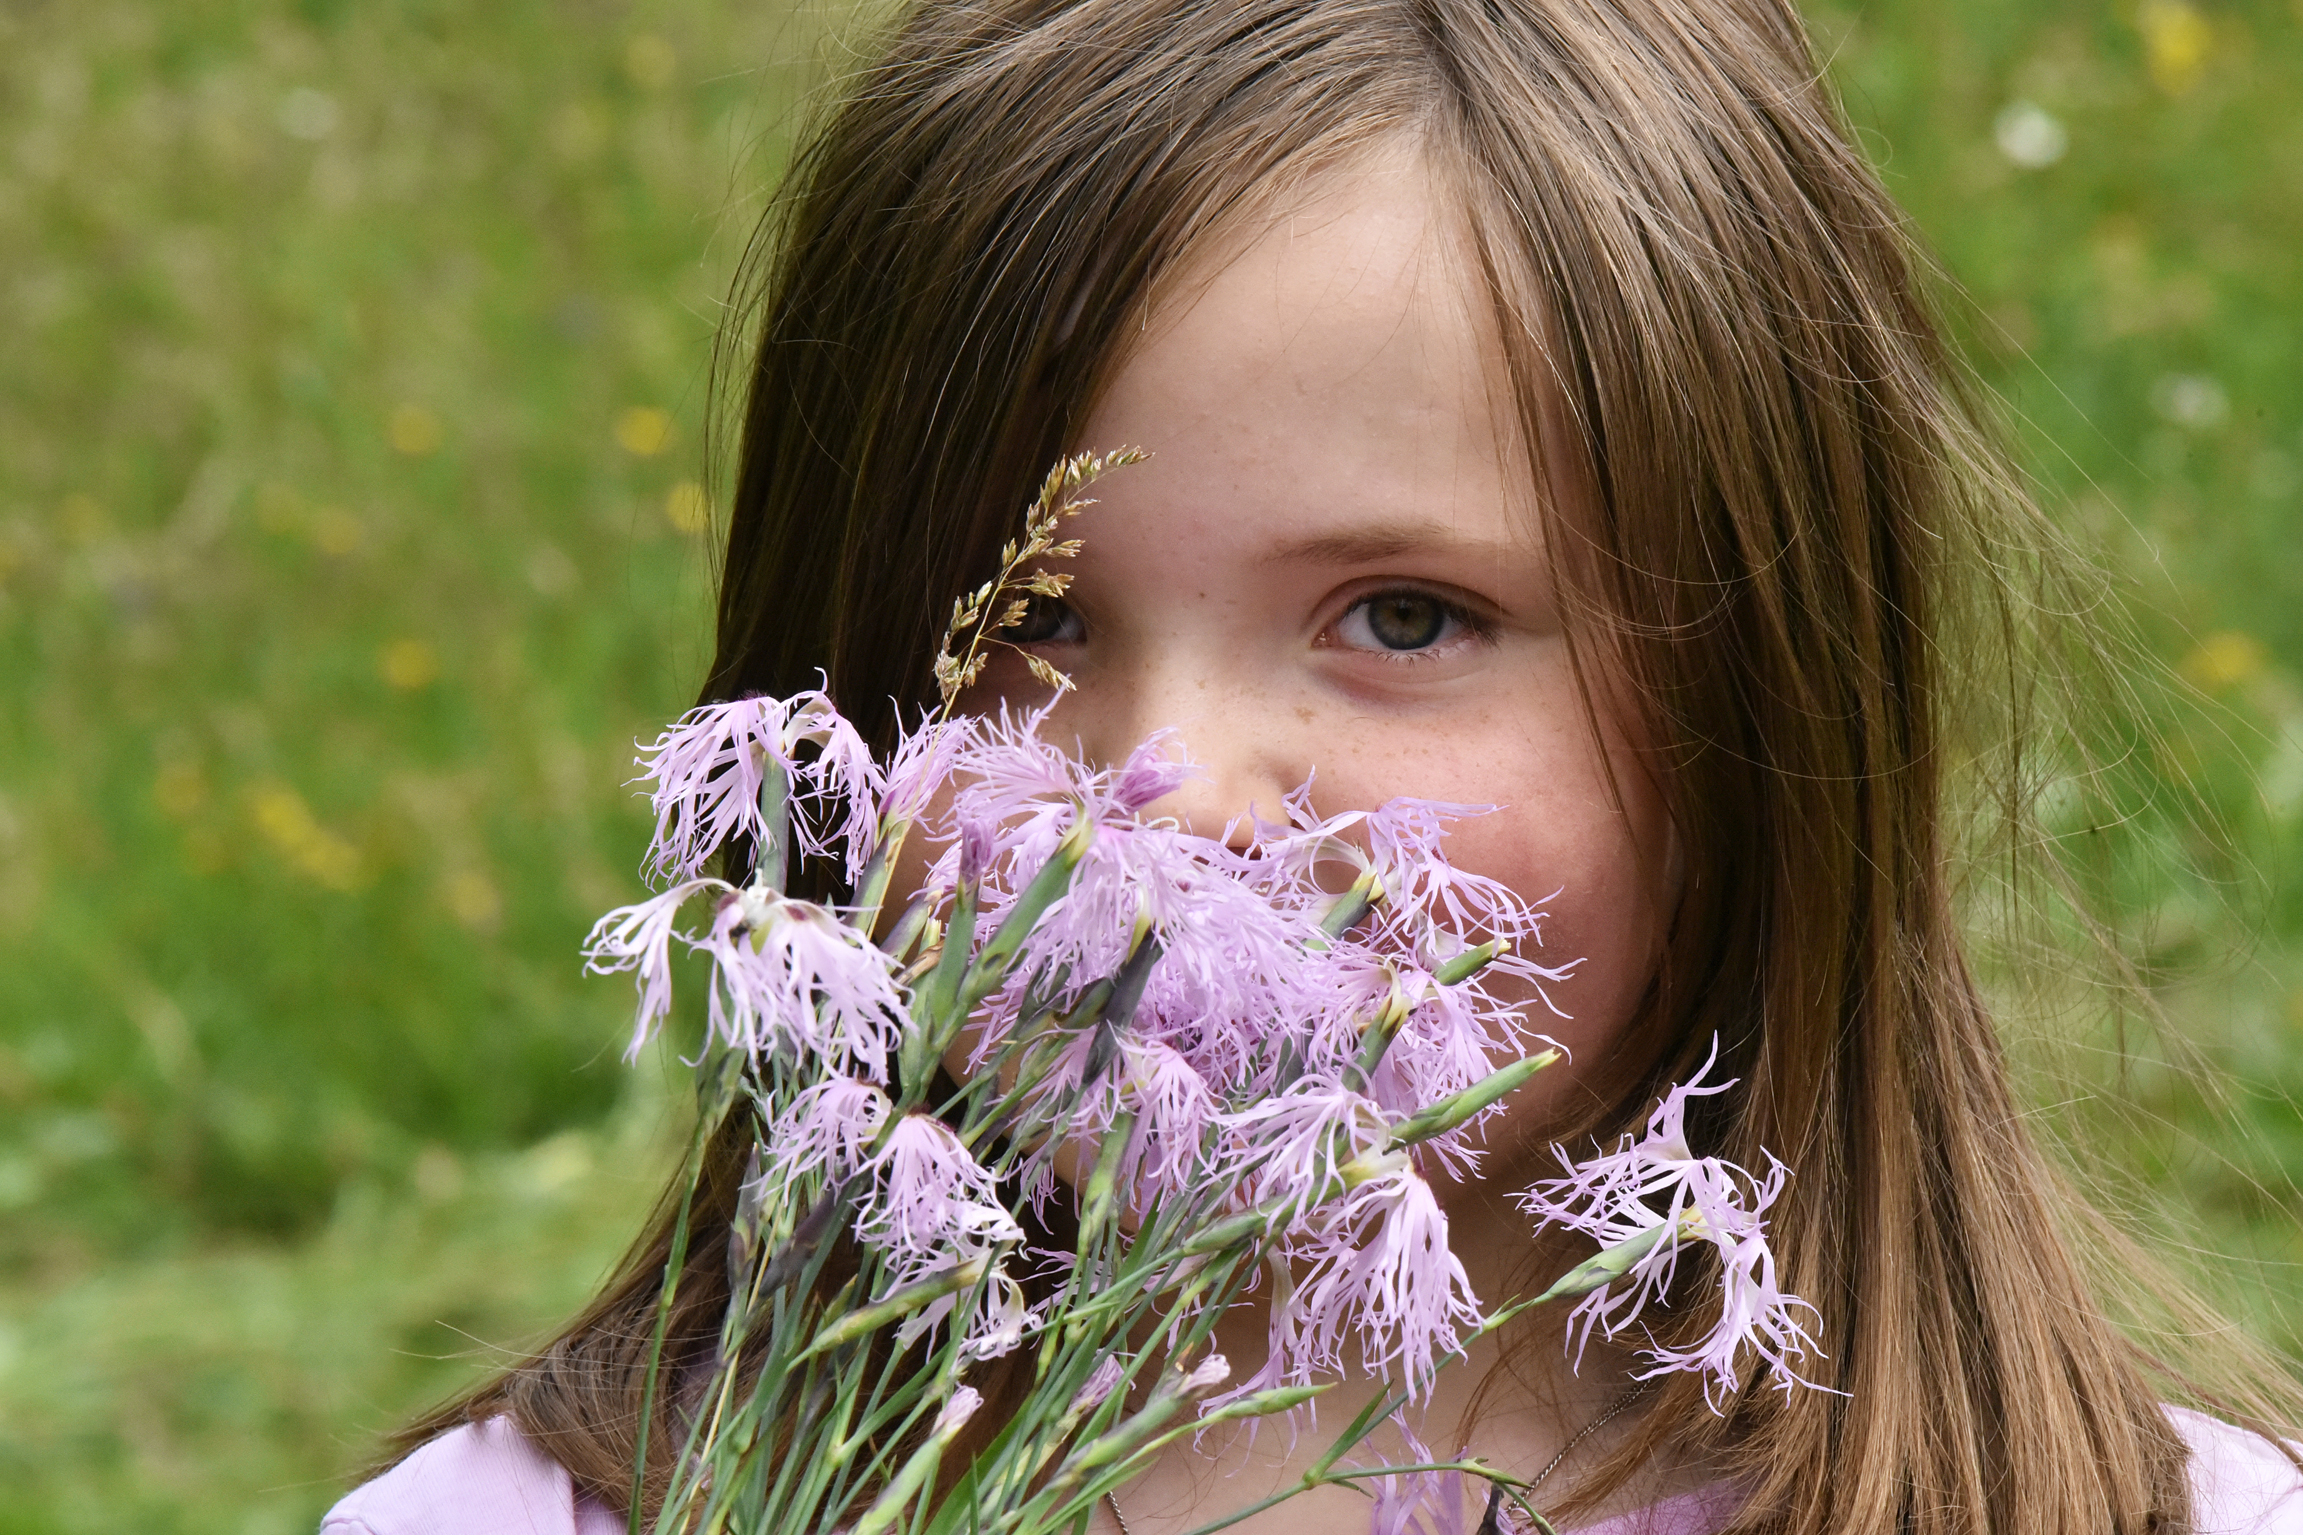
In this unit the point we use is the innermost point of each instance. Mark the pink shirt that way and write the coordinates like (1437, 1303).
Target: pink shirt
(481, 1479)
(486, 1479)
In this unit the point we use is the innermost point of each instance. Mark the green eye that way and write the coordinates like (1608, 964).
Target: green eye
(1406, 620)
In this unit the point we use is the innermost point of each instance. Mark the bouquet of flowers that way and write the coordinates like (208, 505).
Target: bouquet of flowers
(1226, 1061)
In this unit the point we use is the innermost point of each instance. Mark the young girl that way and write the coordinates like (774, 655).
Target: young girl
(1542, 412)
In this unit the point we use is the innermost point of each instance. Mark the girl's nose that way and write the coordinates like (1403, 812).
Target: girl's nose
(1221, 801)
(1246, 764)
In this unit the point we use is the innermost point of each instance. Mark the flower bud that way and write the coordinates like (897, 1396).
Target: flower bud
(954, 1414)
(976, 849)
(1208, 1374)
(1098, 1386)
(1470, 962)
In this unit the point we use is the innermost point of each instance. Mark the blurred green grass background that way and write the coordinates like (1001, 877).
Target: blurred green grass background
(353, 521)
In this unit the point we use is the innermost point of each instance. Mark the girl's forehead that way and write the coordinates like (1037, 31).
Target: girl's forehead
(1333, 355)
(1357, 237)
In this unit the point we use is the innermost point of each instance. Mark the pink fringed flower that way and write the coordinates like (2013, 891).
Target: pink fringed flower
(1150, 774)
(954, 1414)
(1427, 914)
(1001, 1323)
(931, 1204)
(1378, 1269)
(1014, 776)
(709, 768)
(1231, 960)
(921, 763)
(1293, 1146)
(1106, 1375)
(829, 1126)
(1418, 1502)
(788, 974)
(639, 938)
(1174, 1106)
(1647, 1200)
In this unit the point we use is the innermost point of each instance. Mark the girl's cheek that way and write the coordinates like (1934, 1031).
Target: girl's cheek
(1616, 876)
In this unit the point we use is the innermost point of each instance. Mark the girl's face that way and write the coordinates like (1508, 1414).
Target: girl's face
(1331, 565)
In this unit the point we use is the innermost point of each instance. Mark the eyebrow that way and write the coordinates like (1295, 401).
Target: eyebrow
(1367, 545)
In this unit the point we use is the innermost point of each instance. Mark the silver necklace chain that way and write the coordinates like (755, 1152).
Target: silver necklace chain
(1614, 1411)
(1495, 1497)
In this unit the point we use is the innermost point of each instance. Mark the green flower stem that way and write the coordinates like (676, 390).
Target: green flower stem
(1352, 905)
(1449, 1113)
(1053, 879)
(1236, 1230)
(815, 1392)
(1117, 1469)
(1323, 1473)
(907, 1485)
(716, 1091)
(1359, 1474)
(936, 1009)
(1606, 1266)
(1099, 1204)
(776, 819)
(812, 1397)
(1089, 1474)
(911, 929)
(872, 889)
(1379, 1032)
(839, 1426)
(903, 1302)
(672, 1265)
(1470, 962)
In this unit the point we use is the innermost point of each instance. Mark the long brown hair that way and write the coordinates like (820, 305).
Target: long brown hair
(1793, 548)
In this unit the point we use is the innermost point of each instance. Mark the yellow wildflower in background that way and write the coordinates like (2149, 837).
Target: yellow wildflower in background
(180, 789)
(286, 822)
(2176, 42)
(2224, 660)
(644, 431)
(84, 518)
(278, 508)
(408, 665)
(577, 132)
(413, 430)
(687, 508)
(337, 532)
(473, 900)
(650, 61)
